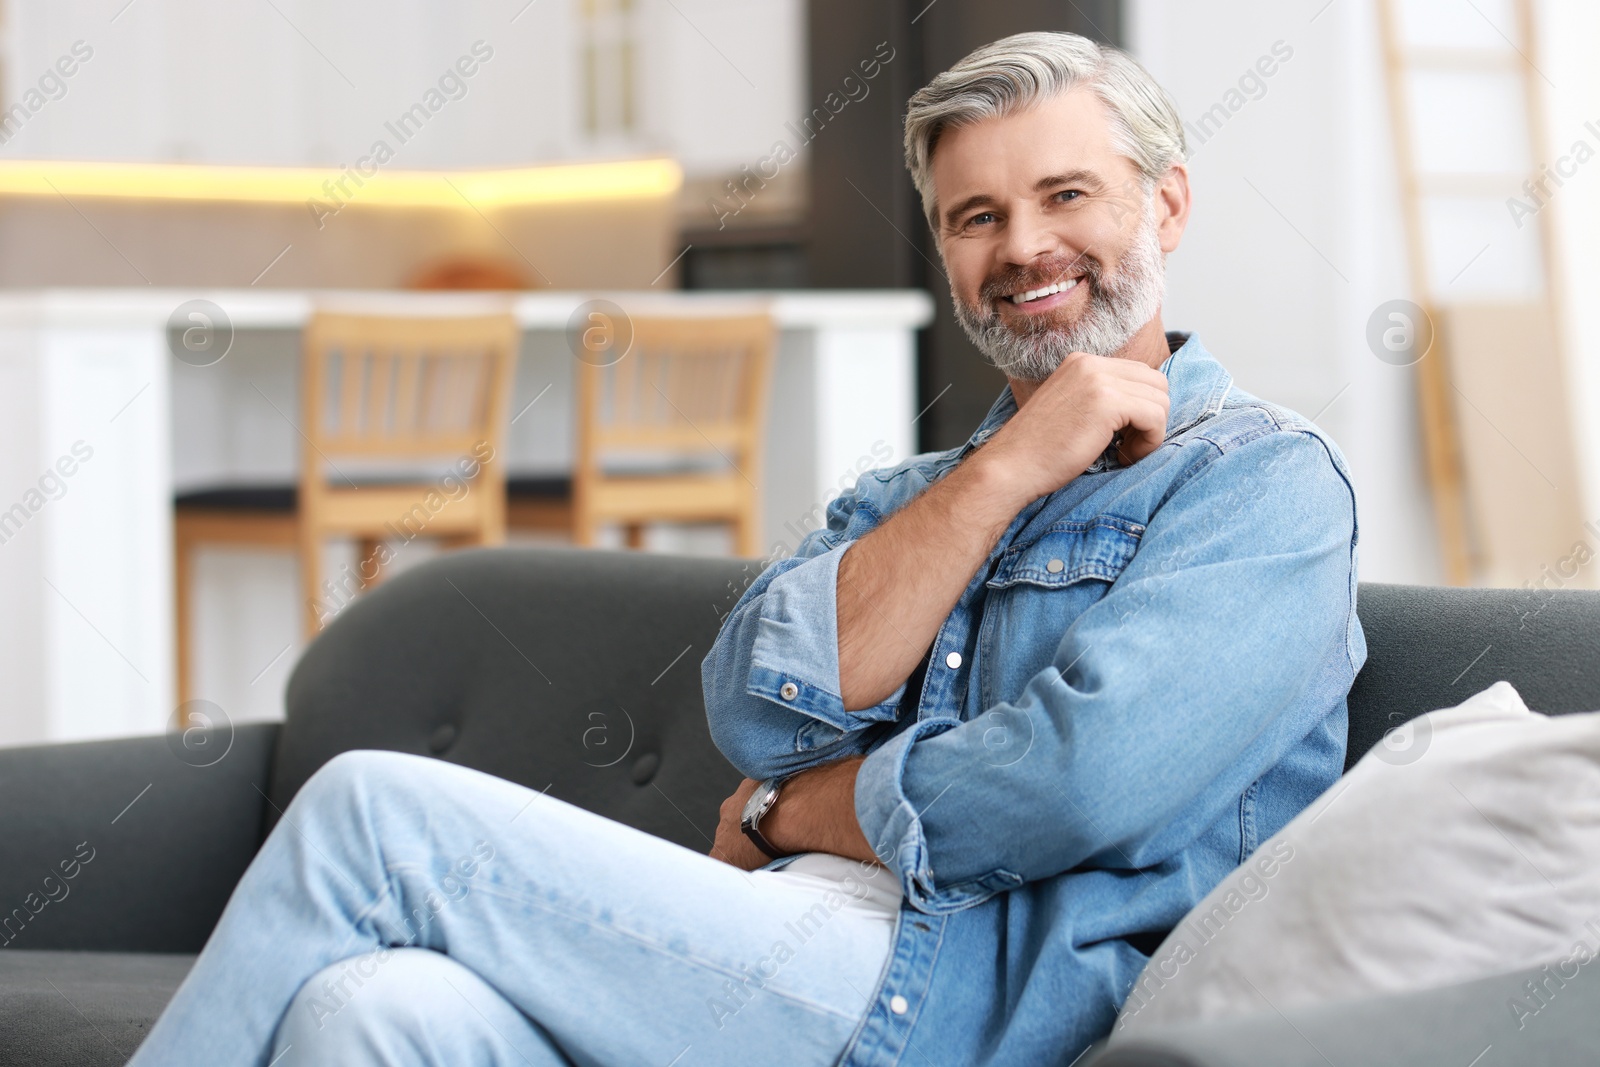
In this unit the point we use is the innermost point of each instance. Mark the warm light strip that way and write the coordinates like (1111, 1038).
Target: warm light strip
(564, 183)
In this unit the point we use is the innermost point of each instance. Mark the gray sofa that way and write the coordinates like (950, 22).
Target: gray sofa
(579, 671)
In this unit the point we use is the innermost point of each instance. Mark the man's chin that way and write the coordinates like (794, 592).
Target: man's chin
(1031, 359)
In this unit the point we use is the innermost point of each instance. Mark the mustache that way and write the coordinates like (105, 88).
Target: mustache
(1039, 274)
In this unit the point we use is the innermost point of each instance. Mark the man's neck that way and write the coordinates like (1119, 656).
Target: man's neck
(1148, 346)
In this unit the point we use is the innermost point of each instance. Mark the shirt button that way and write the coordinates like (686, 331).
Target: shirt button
(1055, 566)
(898, 1005)
(953, 660)
(789, 691)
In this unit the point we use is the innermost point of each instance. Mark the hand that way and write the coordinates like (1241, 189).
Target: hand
(1071, 418)
(731, 845)
(815, 812)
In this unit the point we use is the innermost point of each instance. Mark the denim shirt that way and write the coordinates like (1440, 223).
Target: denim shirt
(1144, 679)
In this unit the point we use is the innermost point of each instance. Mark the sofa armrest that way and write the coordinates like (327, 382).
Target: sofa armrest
(126, 845)
(1449, 1027)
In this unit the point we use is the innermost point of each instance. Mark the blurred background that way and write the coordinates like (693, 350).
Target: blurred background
(1394, 233)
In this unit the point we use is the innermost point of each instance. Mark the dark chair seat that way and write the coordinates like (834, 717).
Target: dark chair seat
(82, 1009)
(242, 498)
(541, 502)
(539, 487)
(283, 497)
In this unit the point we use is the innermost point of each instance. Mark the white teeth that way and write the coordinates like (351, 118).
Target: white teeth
(1035, 294)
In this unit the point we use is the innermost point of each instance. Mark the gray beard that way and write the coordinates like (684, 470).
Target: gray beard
(1119, 306)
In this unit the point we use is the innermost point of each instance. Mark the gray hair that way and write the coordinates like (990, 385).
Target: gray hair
(1016, 72)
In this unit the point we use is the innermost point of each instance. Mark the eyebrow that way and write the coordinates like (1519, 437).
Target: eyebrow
(1071, 177)
(1050, 181)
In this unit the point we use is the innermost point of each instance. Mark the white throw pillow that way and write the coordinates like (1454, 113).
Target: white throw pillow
(1466, 845)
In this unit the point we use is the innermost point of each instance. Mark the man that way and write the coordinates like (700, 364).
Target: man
(1004, 721)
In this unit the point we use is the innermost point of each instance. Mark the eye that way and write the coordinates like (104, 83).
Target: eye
(982, 218)
(1068, 194)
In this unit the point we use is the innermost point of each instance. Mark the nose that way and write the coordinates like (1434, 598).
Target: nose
(1028, 236)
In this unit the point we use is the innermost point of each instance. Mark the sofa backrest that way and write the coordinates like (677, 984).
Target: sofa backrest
(578, 671)
(571, 670)
(1430, 647)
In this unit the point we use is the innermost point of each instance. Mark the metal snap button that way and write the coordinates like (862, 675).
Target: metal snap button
(1055, 566)
(898, 1004)
(953, 660)
(789, 691)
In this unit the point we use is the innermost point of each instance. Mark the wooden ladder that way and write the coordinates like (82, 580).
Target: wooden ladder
(1475, 543)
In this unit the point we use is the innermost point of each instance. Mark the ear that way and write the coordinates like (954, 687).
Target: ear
(1172, 201)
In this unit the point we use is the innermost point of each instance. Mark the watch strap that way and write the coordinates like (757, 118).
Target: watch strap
(751, 824)
(754, 834)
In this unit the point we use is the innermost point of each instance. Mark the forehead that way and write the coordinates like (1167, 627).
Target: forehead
(1005, 156)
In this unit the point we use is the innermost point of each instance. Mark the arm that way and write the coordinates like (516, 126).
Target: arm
(773, 680)
(1220, 646)
(815, 813)
(848, 623)
(820, 646)
(898, 585)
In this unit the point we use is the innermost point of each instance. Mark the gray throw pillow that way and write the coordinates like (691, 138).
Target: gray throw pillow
(1465, 845)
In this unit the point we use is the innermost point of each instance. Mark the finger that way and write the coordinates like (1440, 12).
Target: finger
(1144, 392)
(1144, 432)
(1146, 416)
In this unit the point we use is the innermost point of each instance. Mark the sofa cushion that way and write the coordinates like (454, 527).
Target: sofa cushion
(81, 1009)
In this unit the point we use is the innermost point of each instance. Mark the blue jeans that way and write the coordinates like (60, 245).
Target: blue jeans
(411, 911)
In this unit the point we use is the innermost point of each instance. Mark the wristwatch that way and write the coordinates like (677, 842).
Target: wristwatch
(761, 802)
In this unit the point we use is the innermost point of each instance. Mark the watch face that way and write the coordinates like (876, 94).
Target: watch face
(759, 801)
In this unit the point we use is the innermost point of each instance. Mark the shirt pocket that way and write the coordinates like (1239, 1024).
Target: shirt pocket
(1037, 591)
(1069, 552)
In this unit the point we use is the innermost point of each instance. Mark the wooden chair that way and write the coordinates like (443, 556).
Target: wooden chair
(378, 393)
(686, 387)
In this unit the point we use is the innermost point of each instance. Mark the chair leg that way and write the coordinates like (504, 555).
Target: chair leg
(585, 530)
(369, 561)
(634, 532)
(184, 588)
(745, 542)
(310, 577)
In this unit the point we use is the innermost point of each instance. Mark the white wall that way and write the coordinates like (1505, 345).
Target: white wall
(241, 83)
(1297, 233)
(1569, 32)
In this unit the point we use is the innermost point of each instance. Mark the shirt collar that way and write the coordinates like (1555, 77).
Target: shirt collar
(1196, 386)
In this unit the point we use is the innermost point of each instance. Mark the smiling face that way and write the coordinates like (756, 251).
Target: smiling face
(1054, 241)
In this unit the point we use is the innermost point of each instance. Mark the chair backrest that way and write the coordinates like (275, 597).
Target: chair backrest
(683, 385)
(404, 387)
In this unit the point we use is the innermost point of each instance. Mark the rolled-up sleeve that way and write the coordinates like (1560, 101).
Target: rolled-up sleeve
(1224, 641)
(771, 679)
